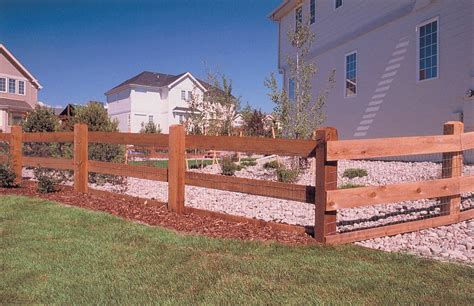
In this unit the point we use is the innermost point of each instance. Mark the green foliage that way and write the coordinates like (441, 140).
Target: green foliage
(150, 128)
(41, 119)
(97, 119)
(247, 163)
(7, 176)
(355, 172)
(228, 167)
(287, 175)
(300, 114)
(46, 181)
(350, 185)
(274, 164)
(254, 124)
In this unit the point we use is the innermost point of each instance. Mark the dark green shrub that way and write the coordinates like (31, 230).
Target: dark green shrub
(228, 167)
(7, 176)
(350, 185)
(286, 175)
(274, 164)
(150, 128)
(355, 172)
(46, 180)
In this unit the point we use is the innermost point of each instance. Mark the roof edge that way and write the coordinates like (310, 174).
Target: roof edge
(17, 62)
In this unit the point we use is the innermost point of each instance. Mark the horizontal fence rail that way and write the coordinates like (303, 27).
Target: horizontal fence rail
(325, 196)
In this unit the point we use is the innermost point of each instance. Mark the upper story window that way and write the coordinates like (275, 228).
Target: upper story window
(428, 50)
(21, 87)
(312, 11)
(183, 95)
(351, 74)
(3, 84)
(299, 16)
(150, 118)
(291, 89)
(11, 86)
(338, 3)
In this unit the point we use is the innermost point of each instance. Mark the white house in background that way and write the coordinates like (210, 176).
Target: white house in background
(403, 67)
(152, 96)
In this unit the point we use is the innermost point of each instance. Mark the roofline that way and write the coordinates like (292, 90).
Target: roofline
(187, 74)
(17, 62)
(283, 9)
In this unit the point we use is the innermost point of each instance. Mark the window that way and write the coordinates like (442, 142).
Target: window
(11, 86)
(351, 74)
(190, 95)
(15, 119)
(150, 118)
(183, 95)
(312, 11)
(428, 51)
(299, 16)
(338, 3)
(21, 87)
(291, 89)
(3, 84)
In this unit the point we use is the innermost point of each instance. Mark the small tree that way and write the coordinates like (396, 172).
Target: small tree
(299, 114)
(255, 125)
(150, 128)
(95, 116)
(41, 119)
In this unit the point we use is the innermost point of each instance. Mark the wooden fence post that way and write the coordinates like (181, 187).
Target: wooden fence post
(176, 169)
(452, 167)
(326, 179)
(81, 158)
(16, 152)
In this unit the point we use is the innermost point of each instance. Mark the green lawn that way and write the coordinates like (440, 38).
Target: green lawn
(163, 163)
(56, 254)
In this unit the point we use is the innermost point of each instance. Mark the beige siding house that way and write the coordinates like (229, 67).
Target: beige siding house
(18, 90)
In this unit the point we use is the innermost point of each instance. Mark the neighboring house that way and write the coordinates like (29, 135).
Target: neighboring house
(157, 97)
(403, 67)
(18, 90)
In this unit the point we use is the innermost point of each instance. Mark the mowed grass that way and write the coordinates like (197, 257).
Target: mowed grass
(163, 163)
(56, 254)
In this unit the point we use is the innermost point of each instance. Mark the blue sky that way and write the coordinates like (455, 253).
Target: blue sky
(80, 49)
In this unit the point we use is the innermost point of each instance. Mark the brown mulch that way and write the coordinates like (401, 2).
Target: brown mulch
(154, 213)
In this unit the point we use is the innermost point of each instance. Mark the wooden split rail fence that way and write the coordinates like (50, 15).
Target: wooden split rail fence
(326, 148)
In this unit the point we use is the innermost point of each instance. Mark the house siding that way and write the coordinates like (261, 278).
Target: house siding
(404, 106)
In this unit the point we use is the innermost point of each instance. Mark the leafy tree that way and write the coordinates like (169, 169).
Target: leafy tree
(255, 125)
(219, 97)
(95, 116)
(299, 114)
(150, 128)
(41, 119)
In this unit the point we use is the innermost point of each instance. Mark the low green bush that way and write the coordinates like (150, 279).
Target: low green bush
(228, 167)
(274, 164)
(286, 175)
(350, 185)
(46, 180)
(247, 163)
(355, 172)
(7, 176)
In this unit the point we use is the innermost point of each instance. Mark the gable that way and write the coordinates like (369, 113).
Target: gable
(10, 66)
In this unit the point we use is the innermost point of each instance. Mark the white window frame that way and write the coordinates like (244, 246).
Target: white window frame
(417, 73)
(190, 95)
(150, 119)
(338, 7)
(6, 84)
(345, 74)
(183, 95)
(18, 87)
